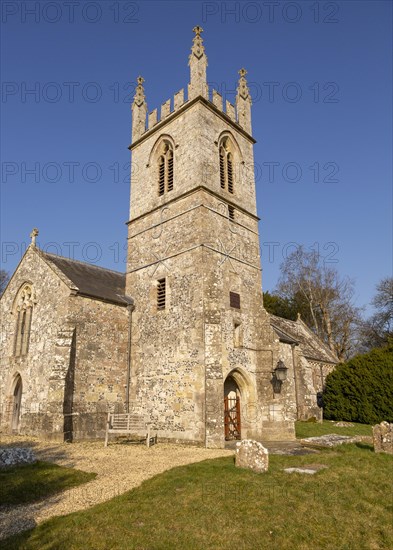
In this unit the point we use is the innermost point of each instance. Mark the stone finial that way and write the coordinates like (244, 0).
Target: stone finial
(299, 317)
(139, 110)
(243, 102)
(34, 235)
(198, 48)
(197, 63)
(139, 96)
(242, 88)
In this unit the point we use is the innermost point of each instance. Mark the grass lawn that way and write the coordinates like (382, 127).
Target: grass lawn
(30, 482)
(311, 429)
(213, 505)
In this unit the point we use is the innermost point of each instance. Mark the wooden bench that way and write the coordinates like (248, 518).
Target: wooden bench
(129, 424)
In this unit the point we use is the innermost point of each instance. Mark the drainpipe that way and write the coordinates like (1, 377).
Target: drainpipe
(295, 380)
(130, 309)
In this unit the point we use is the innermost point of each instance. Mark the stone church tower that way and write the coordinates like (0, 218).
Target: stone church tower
(202, 341)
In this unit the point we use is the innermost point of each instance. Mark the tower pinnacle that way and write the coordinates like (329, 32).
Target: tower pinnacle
(243, 102)
(139, 97)
(139, 110)
(197, 63)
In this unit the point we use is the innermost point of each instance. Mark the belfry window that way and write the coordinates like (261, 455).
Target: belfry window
(165, 170)
(226, 166)
(24, 310)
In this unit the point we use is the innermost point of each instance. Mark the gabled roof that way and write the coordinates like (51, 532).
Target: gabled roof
(298, 332)
(91, 280)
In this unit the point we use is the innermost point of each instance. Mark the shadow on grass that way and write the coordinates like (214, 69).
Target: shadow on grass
(365, 446)
(26, 489)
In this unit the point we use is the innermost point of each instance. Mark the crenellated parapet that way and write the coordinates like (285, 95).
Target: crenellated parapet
(240, 113)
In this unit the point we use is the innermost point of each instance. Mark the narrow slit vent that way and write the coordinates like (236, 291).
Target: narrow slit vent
(161, 293)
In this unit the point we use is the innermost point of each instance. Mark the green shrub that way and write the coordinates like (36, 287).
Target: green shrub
(361, 390)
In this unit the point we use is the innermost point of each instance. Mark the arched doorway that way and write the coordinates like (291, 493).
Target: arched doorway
(16, 403)
(232, 419)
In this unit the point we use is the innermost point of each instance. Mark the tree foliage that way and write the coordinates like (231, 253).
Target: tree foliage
(282, 307)
(323, 297)
(378, 329)
(361, 390)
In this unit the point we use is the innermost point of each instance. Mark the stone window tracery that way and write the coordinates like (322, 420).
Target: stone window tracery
(24, 310)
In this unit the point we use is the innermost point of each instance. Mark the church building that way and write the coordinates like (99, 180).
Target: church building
(182, 338)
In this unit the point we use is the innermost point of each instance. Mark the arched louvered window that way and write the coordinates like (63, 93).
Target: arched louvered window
(24, 310)
(230, 172)
(161, 175)
(226, 166)
(165, 169)
(222, 167)
(170, 170)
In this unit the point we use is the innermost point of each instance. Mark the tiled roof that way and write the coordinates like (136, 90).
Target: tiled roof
(312, 347)
(92, 280)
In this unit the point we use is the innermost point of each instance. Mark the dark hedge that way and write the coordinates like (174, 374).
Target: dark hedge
(361, 390)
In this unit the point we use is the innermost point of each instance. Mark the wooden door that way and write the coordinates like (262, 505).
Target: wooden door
(232, 416)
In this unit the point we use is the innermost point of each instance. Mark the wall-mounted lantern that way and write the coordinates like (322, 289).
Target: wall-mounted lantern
(280, 374)
(281, 371)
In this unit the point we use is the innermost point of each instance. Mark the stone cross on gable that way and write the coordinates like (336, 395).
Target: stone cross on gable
(34, 235)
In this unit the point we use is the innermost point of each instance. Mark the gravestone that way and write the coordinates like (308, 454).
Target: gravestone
(383, 438)
(252, 455)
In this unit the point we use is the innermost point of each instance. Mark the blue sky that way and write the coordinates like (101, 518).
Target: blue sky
(320, 74)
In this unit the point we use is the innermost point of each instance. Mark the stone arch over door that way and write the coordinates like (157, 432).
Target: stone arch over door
(240, 396)
(17, 388)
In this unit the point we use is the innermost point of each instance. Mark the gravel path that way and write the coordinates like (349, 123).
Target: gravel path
(119, 468)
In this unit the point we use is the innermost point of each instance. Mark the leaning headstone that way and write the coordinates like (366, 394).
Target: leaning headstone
(252, 455)
(383, 438)
(12, 456)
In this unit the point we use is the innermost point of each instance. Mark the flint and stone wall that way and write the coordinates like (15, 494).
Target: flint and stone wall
(47, 348)
(100, 370)
(76, 365)
(183, 354)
